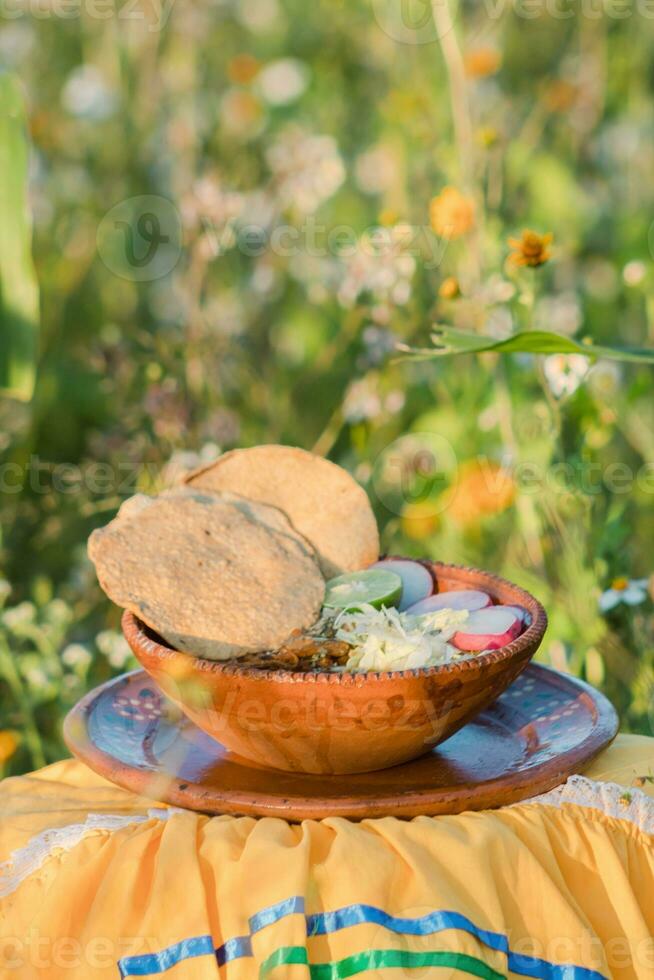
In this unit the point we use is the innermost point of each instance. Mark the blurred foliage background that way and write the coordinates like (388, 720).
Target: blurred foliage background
(239, 209)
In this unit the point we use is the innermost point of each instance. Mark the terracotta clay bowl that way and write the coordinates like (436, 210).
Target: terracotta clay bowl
(341, 723)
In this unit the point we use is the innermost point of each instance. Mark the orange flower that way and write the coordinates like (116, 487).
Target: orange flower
(531, 249)
(242, 68)
(420, 519)
(452, 214)
(449, 288)
(8, 744)
(560, 95)
(483, 489)
(481, 62)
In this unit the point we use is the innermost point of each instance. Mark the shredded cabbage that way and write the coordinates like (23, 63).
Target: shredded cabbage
(385, 639)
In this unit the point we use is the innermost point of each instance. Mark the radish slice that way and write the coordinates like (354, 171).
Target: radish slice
(469, 599)
(417, 582)
(523, 615)
(488, 629)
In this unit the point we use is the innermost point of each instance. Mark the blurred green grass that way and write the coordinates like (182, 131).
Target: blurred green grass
(272, 138)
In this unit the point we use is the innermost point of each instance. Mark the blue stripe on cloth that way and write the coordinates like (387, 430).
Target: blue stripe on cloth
(323, 923)
(234, 949)
(351, 915)
(146, 964)
(532, 966)
(290, 906)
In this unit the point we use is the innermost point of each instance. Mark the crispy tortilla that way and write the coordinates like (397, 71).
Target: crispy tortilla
(214, 575)
(324, 503)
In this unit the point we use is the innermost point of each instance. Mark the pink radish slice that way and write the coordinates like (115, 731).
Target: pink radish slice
(417, 582)
(523, 615)
(487, 629)
(469, 599)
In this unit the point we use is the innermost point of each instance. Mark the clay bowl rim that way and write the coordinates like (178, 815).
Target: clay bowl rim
(135, 632)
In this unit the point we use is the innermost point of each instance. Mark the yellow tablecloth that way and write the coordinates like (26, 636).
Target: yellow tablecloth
(96, 884)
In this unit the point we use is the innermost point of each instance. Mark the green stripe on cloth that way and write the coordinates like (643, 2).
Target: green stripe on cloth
(376, 959)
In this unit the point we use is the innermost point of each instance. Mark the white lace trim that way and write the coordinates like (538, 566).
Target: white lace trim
(32, 856)
(620, 802)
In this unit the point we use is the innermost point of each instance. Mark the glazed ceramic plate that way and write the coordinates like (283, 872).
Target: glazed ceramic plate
(545, 727)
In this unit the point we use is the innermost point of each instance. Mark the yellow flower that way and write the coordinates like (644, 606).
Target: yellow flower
(481, 62)
(9, 742)
(420, 519)
(388, 217)
(449, 288)
(452, 214)
(483, 488)
(530, 249)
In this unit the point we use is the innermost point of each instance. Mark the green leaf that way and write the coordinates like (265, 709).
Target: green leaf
(449, 341)
(19, 294)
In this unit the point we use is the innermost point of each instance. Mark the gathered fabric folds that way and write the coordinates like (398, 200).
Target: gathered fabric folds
(98, 883)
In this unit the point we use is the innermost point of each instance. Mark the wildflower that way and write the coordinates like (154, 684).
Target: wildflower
(565, 372)
(87, 95)
(362, 402)
(114, 647)
(449, 288)
(9, 742)
(560, 95)
(419, 519)
(376, 169)
(382, 266)
(37, 678)
(24, 614)
(76, 655)
(483, 489)
(242, 68)
(283, 81)
(530, 249)
(561, 313)
(241, 113)
(481, 62)
(308, 168)
(604, 379)
(630, 591)
(634, 272)
(451, 213)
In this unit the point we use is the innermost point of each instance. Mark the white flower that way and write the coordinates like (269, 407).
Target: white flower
(561, 313)
(308, 168)
(634, 272)
(76, 655)
(381, 265)
(24, 614)
(283, 81)
(604, 379)
(376, 169)
(37, 678)
(565, 372)
(114, 647)
(87, 95)
(630, 591)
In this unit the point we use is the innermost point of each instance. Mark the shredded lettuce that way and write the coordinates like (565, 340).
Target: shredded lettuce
(385, 639)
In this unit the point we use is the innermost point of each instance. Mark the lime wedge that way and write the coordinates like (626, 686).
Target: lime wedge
(374, 587)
